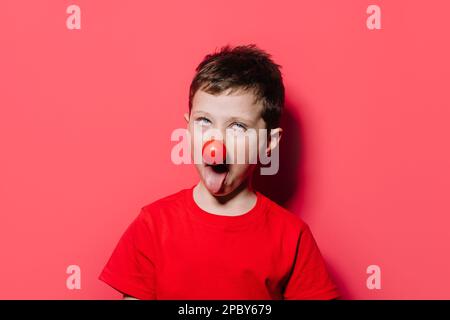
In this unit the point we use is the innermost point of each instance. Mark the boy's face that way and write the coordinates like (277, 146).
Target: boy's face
(236, 113)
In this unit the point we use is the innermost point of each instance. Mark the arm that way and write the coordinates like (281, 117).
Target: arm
(310, 278)
(130, 269)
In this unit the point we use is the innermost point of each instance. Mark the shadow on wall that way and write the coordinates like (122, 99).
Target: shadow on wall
(339, 281)
(284, 185)
(289, 182)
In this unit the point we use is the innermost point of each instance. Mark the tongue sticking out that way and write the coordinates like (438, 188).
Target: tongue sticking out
(214, 155)
(215, 177)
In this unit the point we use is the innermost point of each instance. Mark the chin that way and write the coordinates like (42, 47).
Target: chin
(219, 193)
(224, 191)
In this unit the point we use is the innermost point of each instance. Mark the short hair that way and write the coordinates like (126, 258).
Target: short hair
(246, 68)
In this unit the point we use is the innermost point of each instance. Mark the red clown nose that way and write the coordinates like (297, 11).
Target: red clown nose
(214, 152)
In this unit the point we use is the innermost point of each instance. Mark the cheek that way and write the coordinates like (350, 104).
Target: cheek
(196, 138)
(262, 144)
(241, 171)
(247, 147)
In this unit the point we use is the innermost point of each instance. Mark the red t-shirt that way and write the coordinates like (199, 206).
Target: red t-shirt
(175, 250)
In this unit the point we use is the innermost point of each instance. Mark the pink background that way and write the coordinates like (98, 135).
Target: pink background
(86, 117)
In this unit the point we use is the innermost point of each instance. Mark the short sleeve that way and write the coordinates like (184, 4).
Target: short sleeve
(131, 267)
(309, 279)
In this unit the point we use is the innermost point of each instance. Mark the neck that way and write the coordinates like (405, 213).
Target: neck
(237, 202)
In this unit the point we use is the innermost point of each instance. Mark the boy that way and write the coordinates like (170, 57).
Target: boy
(221, 239)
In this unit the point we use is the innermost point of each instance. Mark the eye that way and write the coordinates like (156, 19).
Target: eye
(239, 126)
(203, 121)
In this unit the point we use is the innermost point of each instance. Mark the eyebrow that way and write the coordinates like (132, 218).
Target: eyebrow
(246, 121)
(202, 112)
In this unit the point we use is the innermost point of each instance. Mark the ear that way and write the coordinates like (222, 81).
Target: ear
(186, 117)
(274, 138)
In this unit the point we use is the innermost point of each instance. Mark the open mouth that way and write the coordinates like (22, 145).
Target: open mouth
(218, 168)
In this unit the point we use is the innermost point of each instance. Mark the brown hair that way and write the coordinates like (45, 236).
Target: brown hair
(243, 68)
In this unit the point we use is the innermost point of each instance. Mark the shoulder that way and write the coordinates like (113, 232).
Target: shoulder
(283, 218)
(174, 203)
